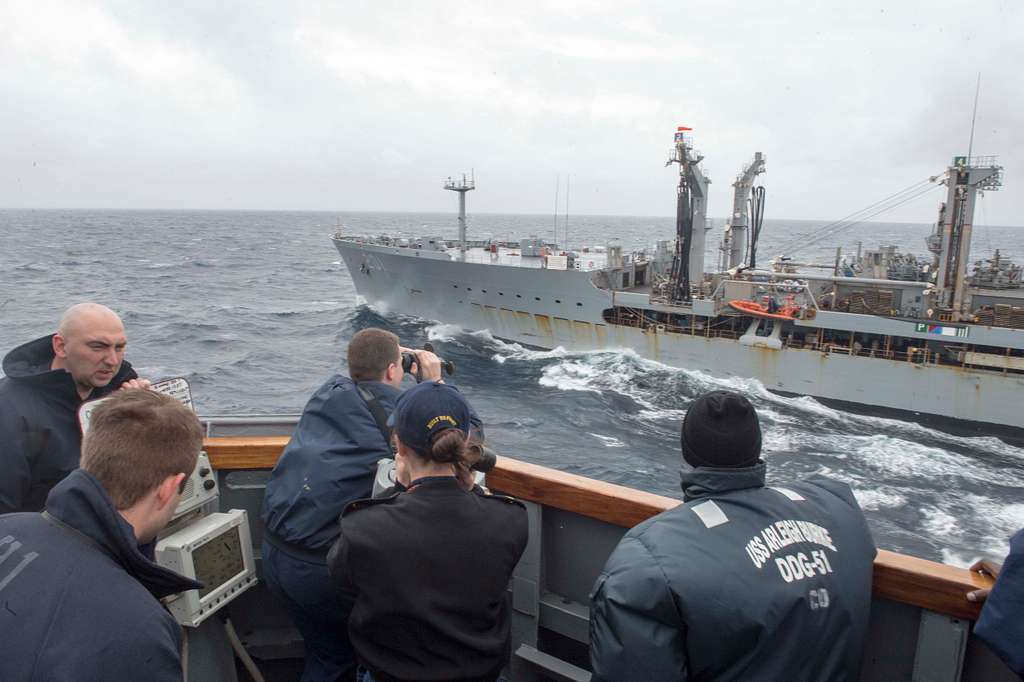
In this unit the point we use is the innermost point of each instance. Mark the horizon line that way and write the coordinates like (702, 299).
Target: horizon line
(453, 215)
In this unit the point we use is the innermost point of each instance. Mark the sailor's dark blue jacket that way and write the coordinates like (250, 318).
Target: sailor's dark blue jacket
(79, 599)
(330, 461)
(1001, 624)
(742, 582)
(40, 439)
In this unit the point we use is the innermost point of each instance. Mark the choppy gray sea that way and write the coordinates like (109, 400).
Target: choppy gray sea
(255, 309)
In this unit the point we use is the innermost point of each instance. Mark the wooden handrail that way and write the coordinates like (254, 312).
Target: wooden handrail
(897, 577)
(245, 452)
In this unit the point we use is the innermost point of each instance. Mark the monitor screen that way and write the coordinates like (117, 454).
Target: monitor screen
(219, 560)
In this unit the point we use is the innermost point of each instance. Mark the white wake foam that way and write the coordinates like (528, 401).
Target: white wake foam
(444, 333)
(879, 498)
(609, 441)
(887, 462)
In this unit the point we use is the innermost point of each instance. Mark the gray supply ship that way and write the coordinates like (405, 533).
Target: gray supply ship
(931, 336)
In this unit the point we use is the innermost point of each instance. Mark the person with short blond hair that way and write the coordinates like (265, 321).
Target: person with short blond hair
(81, 595)
(46, 381)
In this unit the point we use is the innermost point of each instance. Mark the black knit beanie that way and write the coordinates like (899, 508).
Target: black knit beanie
(721, 430)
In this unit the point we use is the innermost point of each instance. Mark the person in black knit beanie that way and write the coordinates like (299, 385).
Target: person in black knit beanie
(721, 430)
(742, 580)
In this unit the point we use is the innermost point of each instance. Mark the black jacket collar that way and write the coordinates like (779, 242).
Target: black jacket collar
(80, 502)
(30, 362)
(436, 483)
(700, 482)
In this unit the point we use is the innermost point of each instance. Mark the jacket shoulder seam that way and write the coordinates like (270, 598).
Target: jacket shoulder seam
(53, 620)
(661, 570)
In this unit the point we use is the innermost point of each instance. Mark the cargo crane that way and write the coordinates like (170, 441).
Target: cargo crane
(691, 211)
(735, 250)
(965, 179)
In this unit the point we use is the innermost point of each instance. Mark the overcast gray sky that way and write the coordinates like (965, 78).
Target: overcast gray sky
(349, 106)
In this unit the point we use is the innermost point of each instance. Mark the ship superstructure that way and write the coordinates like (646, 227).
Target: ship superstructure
(880, 328)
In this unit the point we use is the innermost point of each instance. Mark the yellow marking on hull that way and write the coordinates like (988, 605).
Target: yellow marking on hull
(563, 329)
(544, 328)
(526, 323)
(509, 326)
(582, 333)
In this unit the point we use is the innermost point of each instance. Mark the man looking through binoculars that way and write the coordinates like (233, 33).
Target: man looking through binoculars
(331, 461)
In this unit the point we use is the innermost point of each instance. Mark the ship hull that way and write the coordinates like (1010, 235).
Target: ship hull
(551, 308)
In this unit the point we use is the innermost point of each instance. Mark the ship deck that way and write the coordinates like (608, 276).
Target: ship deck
(513, 258)
(508, 256)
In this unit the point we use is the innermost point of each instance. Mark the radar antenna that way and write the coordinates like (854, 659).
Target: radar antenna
(974, 116)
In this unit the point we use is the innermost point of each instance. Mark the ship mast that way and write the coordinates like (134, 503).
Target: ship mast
(966, 178)
(734, 246)
(691, 211)
(461, 187)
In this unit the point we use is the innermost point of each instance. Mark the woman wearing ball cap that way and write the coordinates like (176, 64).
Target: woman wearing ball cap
(430, 566)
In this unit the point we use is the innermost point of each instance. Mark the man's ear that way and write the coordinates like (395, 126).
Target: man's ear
(390, 373)
(166, 492)
(59, 346)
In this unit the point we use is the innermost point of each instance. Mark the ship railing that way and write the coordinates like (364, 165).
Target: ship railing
(920, 624)
(632, 317)
(918, 355)
(984, 161)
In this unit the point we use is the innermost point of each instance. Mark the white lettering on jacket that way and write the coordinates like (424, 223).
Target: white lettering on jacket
(782, 534)
(799, 566)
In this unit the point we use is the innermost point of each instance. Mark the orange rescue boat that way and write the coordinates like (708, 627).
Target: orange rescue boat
(786, 312)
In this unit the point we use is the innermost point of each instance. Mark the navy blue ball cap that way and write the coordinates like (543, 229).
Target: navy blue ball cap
(427, 409)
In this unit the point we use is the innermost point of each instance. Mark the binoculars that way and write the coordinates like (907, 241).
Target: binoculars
(485, 458)
(409, 358)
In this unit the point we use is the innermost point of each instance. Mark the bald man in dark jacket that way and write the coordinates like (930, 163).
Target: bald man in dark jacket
(46, 381)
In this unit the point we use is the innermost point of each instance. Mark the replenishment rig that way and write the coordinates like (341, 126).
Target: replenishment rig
(881, 328)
